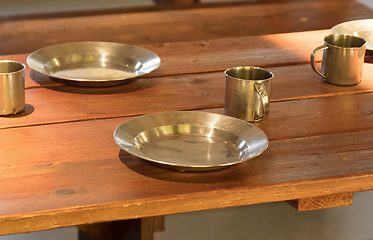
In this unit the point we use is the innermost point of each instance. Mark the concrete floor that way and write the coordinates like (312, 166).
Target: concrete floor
(263, 221)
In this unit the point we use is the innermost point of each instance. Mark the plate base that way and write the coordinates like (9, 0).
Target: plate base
(190, 150)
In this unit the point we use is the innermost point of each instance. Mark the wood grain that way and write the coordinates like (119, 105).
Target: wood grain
(235, 186)
(61, 166)
(146, 95)
(216, 55)
(56, 172)
(328, 201)
(24, 36)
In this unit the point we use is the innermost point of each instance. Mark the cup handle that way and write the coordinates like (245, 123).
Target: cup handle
(316, 50)
(259, 88)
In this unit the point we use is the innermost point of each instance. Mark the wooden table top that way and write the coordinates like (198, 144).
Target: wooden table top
(25, 34)
(188, 22)
(61, 167)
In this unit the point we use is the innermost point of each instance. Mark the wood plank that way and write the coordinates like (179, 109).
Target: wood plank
(24, 36)
(319, 116)
(216, 55)
(146, 95)
(136, 9)
(328, 201)
(287, 120)
(82, 177)
(126, 9)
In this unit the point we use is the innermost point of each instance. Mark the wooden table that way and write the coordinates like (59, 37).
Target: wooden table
(60, 167)
(176, 23)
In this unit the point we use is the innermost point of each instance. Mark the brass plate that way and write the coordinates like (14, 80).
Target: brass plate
(191, 140)
(360, 28)
(93, 64)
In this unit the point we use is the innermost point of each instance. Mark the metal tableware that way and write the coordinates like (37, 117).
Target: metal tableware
(247, 93)
(343, 59)
(360, 28)
(191, 140)
(93, 64)
(12, 87)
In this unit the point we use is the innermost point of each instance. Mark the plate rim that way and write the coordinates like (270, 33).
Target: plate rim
(82, 80)
(197, 168)
(333, 29)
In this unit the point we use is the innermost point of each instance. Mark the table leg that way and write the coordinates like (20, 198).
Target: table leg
(368, 56)
(133, 229)
(328, 201)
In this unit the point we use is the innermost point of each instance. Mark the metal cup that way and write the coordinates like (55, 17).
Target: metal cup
(12, 87)
(247, 93)
(343, 59)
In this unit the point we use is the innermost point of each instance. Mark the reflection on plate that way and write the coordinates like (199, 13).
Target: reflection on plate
(361, 28)
(93, 64)
(191, 140)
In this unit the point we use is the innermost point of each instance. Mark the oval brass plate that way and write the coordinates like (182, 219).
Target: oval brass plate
(93, 64)
(191, 140)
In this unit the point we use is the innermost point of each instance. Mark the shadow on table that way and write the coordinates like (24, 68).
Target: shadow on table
(236, 172)
(130, 85)
(27, 111)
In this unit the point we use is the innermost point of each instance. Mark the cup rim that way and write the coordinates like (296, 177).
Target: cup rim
(249, 67)
(23, 66)
(342, 34)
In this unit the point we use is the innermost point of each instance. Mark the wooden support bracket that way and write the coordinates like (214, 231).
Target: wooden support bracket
(134, 229)
(328, 201)
(175, 1)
